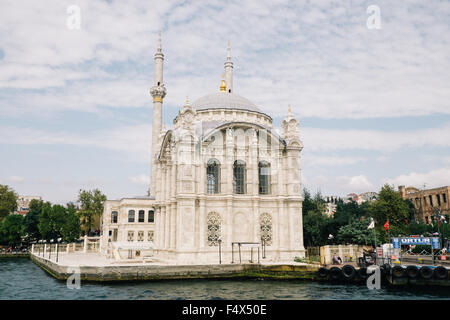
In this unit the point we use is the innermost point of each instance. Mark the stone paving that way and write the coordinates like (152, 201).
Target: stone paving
(94, 259)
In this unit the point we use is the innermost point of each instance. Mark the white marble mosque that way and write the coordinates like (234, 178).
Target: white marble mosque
(221, 177)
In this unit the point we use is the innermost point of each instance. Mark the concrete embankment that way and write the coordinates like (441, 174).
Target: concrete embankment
(14, 255)
(172, 272)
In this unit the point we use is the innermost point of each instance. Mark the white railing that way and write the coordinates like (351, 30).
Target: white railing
(87, 244)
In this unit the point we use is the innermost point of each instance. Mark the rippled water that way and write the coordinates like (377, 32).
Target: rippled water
(22, 279)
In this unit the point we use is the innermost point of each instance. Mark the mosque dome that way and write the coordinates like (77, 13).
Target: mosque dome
(224, 100)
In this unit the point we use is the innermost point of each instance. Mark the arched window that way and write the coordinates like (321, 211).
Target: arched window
(264, 177)
(141, 217)
(151, 216)
(265, 227)
(239, 177)
(131, 216)
(213, 222)
(114, 216)
(212, 176)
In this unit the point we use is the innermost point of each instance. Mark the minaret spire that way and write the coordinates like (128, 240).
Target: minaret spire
(229, 70)
(158, 92)
(159, 42)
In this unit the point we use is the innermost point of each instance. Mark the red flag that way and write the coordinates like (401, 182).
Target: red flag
(386, 225)
(406, 220)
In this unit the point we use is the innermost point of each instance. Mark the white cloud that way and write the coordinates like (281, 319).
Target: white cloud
(311, 160)
(356, 183)
(133, 141)
(317, 139)
(432, 179)
(340, 185)
(141, 179)
(16, 179)
(319, 57)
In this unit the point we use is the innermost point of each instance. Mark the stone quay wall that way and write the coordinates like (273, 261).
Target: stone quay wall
(172, 272)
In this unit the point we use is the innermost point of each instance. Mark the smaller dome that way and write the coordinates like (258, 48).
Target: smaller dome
(224, 100)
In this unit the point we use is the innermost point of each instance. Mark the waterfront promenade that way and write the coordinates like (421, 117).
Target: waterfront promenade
(95, 267)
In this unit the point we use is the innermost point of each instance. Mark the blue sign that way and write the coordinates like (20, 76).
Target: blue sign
(396, 243)
(434, 242)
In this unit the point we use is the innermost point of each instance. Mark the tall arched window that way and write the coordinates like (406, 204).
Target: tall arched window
(213, 222)
(151, 216)
(213, 176)
(114, 215)
(239, 177)
(265, 227)
(264, 177)
(141, 217)
(131, 216)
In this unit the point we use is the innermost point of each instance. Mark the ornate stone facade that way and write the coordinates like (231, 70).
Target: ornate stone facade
(221, 175)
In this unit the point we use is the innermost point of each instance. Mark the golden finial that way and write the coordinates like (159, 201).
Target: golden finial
(223, 86)
(289, 110)
(187, 100)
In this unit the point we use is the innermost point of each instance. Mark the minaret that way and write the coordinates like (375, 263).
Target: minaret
(158, 92)
(229, 70)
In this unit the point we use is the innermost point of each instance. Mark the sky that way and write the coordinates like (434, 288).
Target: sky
(76, 113)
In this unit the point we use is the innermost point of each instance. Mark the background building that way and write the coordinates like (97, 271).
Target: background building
(23, 204)
(428, 201)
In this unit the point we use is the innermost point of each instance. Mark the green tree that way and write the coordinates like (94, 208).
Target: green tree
(91, 206)
(314, 219)
(356, 233)
(51, 221)
(389, 206)
(8, 201)
(12, 229)
(31, 220)
(71, 228)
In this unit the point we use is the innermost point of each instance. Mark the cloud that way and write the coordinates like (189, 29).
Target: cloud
(16, 179)
(317, 139)
(141, 179)
(133, 141)
(432, 179)
(319, 57)
(338, 185)
(311, 160)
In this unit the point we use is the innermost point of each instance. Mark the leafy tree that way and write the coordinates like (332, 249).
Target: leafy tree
(71, 228)
(91, 206)
(314, 228)
(51, 221)
(12, 229)
(45, 224)
(8, 201)
(31, 220)
(389, 206)
(356, 233)
(314, 220)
